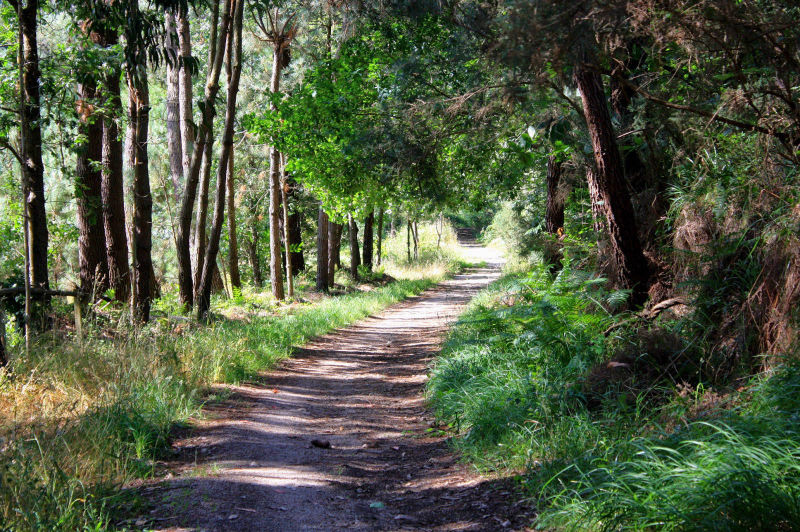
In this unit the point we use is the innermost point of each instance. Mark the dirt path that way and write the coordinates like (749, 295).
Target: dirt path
(360, 390)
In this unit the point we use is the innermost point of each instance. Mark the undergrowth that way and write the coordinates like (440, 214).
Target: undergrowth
(79, 418)
(517, 383)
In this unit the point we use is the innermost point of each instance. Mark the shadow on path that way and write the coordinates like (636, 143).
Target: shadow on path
(359, 389)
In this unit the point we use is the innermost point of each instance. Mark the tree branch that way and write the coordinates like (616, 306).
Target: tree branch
(5, 144)
(713, 117)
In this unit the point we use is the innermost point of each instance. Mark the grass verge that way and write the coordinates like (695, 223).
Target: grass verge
(518, 382)
(81, 418)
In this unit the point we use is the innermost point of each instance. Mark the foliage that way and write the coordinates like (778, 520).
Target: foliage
(738, 472)
(505, 377)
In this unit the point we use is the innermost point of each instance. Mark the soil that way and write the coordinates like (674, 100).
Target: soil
(339, 437)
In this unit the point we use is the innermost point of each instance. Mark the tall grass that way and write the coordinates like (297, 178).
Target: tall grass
(80, 418)
(504, 377)
(511, 382)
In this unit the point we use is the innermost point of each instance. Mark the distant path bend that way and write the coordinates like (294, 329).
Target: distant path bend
(359, 389)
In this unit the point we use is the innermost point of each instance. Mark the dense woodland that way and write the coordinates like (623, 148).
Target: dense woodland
(162, 163)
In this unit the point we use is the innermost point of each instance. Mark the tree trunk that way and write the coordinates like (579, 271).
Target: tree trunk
(233, 243)
(287, 240)
(598, 217)
(408, 239)
(337, 248)
(113, 194)
(139, 109)
(630, 263)
(93, 268)
(204, 291)
(3, 350)
(380, 236)
(334, 241)
(185, 285)
(173, 106)
(554, 215)
(275, 187)
(296, 236)
(200, 238)
(368, 239)
(355, 257)
(255, 263)
(185, 90)
(322, 250)
(31, 154)
(415, 234)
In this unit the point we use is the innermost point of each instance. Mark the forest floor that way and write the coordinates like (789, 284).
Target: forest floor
(338, 438)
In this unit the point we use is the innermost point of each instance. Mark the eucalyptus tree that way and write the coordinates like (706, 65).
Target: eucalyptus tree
(186, 286)
(279, 30)
(224, 168)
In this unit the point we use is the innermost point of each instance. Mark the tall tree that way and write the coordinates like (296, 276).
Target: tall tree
(93, 268)
(185, 284)
(139, 115)
(233, 241)
(554, 214)
(112, 177)
(280, 35)
(187, 66)
(30, 150)
(609, 180)
(223, 170)
(200, 226)
(287, 240)
(173, 105)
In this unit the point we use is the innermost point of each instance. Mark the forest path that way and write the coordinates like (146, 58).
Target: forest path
(359, 389)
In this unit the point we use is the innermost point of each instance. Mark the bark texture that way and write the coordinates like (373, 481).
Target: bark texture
(185, 284)
(334, 241)
(554, 215)
(173, 106)
(139, 109)
(185, 92)
(295, 229)
(252, 251)
(93, 268)
(286, 230)
(206, 279)
(31, 152)
(355, 257)
(380, 236)
(629, 260)
(322, 250)
(233, 242)
(200, 238)
(368, 240)
(275, 185)
(112, 188)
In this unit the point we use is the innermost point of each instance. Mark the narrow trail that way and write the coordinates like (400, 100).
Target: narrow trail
(359, 389)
